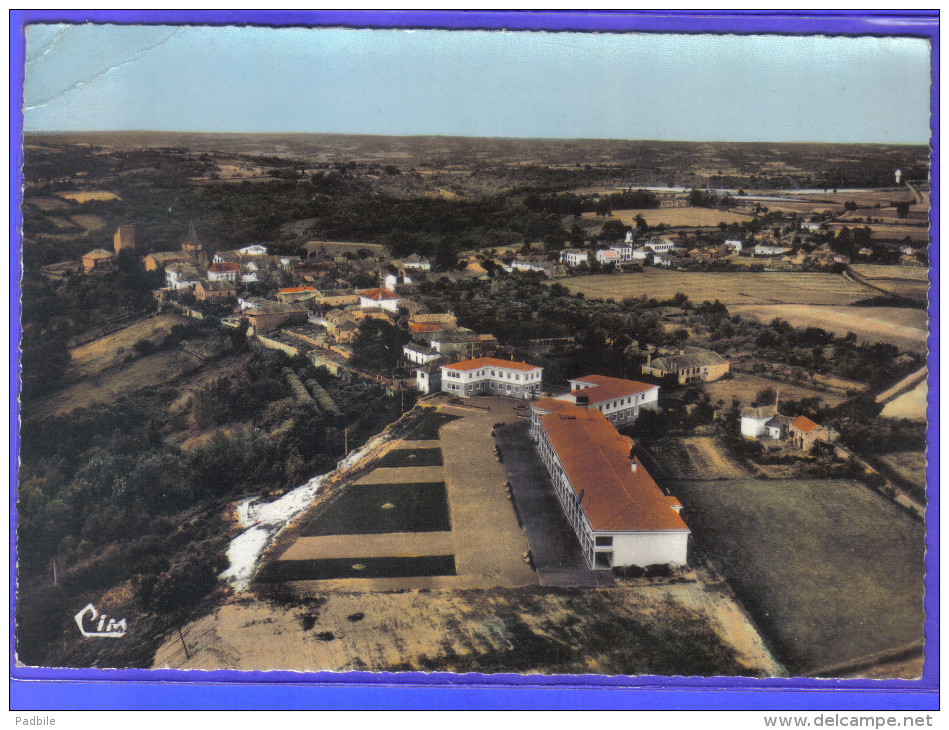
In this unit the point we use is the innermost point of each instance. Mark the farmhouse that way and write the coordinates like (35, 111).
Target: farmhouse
(803, 433)
(490, 376)
(688, 366)
(763, 249)
(734, 244)
(574, 257)
(617, 511)
(379, 299)
(98, 259)
(618, 399)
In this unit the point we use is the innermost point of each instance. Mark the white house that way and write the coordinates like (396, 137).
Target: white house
(734, 244)
(618, 399)
(574, 257)
(428, 378)
(226, 271)
(490, 376)
(625, 251)
(661, 246)
(254, 250)
(763, 249)
(419, 354)
(754, 420)
(608, 256)
(661, 261)
(181, 276)
(417, 262)
(619, 514)
(379, 299)
(641, 253)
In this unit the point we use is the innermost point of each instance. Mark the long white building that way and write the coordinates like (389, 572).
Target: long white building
(618, 399)
(491, 376)
(617, 511)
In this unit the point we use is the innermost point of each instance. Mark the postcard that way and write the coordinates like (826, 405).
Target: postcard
(587, 358)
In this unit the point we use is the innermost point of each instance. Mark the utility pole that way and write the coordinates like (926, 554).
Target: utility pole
(346, 440)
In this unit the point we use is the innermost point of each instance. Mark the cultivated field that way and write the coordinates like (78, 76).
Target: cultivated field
(745, 388)
(677, 217)
(105, 352)
(86, 195)
(89, 222)
(906, 328)
(830, 571)
(904, 281)
(911, 404)
(728, 287)
(910, 465)
(696, 457)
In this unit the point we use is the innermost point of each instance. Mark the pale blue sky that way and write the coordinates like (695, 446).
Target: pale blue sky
(477, 83)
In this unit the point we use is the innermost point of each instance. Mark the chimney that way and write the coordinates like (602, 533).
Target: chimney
(648, 359)
(633, 464)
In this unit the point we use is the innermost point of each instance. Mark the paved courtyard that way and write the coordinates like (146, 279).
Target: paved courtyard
(556, 551)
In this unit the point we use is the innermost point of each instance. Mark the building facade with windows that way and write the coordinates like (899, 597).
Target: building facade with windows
(618, 399)
(616, 509)
(491, 376)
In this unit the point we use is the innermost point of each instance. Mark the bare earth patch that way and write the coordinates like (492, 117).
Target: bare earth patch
(111, 350)
(911, 404)
(730, 288)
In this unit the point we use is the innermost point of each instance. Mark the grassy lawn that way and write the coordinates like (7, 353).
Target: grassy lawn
(829, 570)
(366, 509)
(398, 458)
(279, 571)
(427, 426)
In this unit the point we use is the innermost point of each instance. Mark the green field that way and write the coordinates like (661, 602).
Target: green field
(829, 571)
(398, 458)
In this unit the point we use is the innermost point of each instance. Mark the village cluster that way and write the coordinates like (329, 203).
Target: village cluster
(309, 307)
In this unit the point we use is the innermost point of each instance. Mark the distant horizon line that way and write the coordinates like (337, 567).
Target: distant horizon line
(463, 136)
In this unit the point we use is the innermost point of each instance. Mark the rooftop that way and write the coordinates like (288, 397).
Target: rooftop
(492, 362)
(596, 459)
(378, 295)
(606, 388)
(803, 424)
(694, 358)
(759, 413)
(226, 267)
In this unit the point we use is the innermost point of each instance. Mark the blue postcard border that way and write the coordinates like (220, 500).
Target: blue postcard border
(89, 689)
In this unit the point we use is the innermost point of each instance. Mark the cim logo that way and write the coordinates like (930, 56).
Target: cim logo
(111, 630)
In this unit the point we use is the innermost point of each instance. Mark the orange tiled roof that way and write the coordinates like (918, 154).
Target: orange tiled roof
(227, 266)
(378, 294)
(803, 424)
(297, 290)
(491, 362)
(606, 388)
(548, 405)
(596, 460)
(424, 326)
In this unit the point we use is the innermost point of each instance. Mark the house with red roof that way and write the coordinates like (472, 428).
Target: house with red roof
(296, 293)
(492, 376)
(804, 433)
(618, 399)
(379, 299)
(225, 271)
(614, 506)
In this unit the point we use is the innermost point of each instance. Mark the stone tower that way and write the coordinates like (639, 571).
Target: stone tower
(124, 238)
